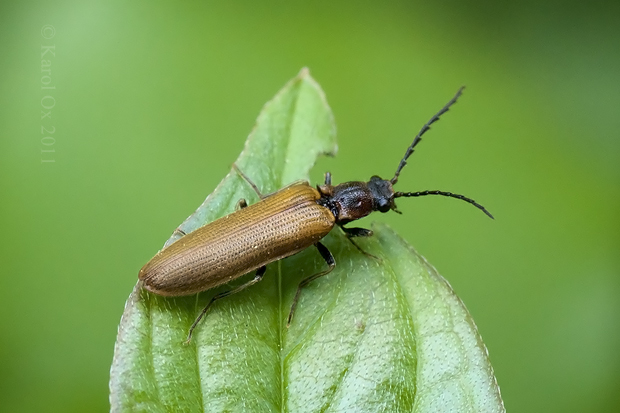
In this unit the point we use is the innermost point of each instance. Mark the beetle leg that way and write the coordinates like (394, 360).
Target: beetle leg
(329, 259)
(242, 203)
(248, 180)
(259, 276)
(328, 178)
(176, 235)
(358, 232)
(179, 232)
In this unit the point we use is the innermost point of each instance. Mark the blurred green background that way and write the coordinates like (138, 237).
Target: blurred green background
(154, 100)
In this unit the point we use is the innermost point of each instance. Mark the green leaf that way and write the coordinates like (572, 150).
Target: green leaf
(383, 335)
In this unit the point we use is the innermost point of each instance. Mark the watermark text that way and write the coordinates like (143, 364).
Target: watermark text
(48, 91)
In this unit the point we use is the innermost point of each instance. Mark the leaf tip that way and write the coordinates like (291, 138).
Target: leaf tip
(304, 72)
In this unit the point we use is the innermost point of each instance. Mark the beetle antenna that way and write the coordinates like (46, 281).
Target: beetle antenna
(418, 137)
(450, 194)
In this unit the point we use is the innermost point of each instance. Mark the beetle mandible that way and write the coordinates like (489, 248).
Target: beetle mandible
(279, 225)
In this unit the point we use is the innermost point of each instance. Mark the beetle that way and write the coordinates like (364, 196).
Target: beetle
(277, 226)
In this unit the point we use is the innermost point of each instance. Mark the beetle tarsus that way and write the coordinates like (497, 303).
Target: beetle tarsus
(180, 232)
(242, 203)
(259, 276)
(359, 232)
(248, 180)
(329, 259)
(360, 249)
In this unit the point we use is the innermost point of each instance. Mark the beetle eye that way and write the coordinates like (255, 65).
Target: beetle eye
(384, 205)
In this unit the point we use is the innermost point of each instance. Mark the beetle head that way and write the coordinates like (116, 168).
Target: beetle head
(382, 194)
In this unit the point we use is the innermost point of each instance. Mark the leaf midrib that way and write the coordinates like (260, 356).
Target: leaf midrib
(279, 277)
